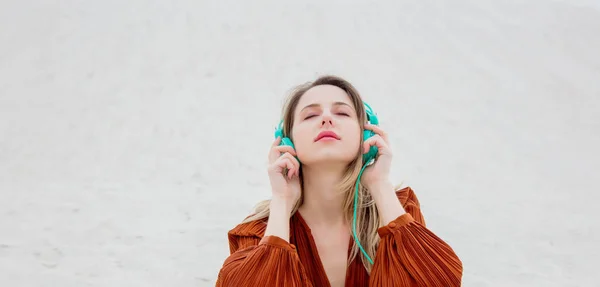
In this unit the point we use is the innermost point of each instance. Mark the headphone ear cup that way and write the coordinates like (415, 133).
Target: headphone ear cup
(287, 142)
(372, 153)
(374, 120)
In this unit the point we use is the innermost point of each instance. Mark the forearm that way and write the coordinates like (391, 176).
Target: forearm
(387, 202)
(279, 219)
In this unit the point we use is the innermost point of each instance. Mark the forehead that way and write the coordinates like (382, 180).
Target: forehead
(324, 95)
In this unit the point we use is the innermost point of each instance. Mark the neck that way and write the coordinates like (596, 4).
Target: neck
(323, 203)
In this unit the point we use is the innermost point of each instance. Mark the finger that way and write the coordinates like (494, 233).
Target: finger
(294, 161)
(290, 167)
(377, 141)
(273, 154)
(286, 166)
(286, 148)
(378, 131)
(296, 169)
(283, 163)
(279, 162)
(285, 160)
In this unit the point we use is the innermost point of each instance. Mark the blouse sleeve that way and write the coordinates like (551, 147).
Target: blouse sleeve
(260, 261)
(411, 255)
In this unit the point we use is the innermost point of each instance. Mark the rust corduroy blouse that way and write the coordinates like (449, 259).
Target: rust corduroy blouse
(408, 255)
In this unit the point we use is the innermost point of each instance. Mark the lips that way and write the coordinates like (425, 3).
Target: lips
(327, 134)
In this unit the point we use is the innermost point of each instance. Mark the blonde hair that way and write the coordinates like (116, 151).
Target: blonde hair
(367, 216)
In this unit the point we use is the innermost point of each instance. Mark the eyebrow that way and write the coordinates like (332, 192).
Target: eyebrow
(316, 105)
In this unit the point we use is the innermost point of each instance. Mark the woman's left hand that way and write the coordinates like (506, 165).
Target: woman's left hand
(378, 172)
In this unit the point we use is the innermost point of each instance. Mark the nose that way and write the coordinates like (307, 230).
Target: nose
(327, 120)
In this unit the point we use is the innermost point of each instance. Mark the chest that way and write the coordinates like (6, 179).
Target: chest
(332, 247)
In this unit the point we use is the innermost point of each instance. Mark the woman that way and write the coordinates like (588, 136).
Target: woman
(310, 233)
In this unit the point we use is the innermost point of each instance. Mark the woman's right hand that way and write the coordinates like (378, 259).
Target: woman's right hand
(284, 173)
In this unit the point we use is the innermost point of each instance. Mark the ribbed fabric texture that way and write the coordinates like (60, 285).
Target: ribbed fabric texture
(408, 255)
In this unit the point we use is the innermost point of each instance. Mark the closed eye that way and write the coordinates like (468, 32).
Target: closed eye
(342, 114)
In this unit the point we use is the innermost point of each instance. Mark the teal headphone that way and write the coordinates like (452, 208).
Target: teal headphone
(367, 159)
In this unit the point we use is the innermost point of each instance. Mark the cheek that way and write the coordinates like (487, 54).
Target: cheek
(354, 133)
(356, 140)
(301, 137)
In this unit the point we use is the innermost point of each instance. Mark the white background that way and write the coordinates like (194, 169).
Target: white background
(134, 134)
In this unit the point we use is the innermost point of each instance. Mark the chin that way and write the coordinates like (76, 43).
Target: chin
(328, 157)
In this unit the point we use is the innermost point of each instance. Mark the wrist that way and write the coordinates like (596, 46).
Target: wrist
(279, 218)
(379, 188)
(281, 205)
(387, 201)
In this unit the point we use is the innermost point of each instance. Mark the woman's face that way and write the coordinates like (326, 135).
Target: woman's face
(326, 108)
